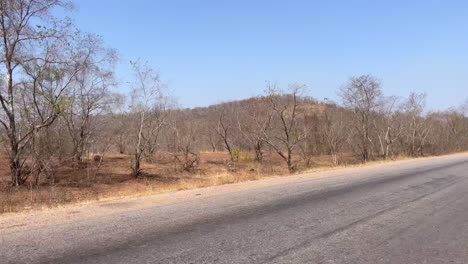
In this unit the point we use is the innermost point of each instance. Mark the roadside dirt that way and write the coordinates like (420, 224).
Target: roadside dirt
(78, 211)
(82, 185)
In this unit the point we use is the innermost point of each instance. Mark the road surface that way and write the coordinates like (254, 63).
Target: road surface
(403, 212)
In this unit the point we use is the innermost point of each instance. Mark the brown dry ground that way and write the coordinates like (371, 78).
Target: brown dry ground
(78, 184)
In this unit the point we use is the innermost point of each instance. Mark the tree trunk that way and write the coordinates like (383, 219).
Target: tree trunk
(258, 151)
(334, 156)
(136, 163)
(212, 144)
(228, 147)
(79, 151)
(335, 159)
(121, 145)
(15, 162)
(289, 162)
(16, 166)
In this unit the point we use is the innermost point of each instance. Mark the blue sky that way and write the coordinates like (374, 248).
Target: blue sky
(213, 51)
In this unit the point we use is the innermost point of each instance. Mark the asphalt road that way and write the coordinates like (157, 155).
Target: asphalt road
(403, 212)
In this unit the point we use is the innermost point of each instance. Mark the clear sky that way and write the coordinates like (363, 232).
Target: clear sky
(213, 51)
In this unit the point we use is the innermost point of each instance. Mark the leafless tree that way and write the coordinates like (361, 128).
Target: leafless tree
(158, 119)
(285, 133)
(388, 125)
(418, 127)
(313, 144)
(147, 94)
(38, 60)
(90, 93)
(456, 124)
(212, 138)
(184, 132)
(225, 127)
(254, 122)
(363, 95)
(333, 128)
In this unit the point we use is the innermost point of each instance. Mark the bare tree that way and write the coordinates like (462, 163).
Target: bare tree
(121, 124)
(184, 132)
(362, 95)
(333, 128)
(456, 130)
(313, 144)
(285, 133)
(254, 121)
(212, 138)
(388, 125)
(418, 127)
(158, 119)
(147, 94)
(224, 129)
(38, 60)
(90, 93)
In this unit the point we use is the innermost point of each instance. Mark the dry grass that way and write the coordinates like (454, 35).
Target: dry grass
(80, 184)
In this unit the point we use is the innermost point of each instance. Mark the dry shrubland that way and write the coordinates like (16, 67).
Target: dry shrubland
(85, 182)
(63, 117)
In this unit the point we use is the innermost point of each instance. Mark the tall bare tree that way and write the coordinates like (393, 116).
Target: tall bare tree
(147, 95)
(158, 119)
(39, 60)
(388, 125)
(363, 95)
(286, 132)
(225, 128)
(333, 127)
(418, 127)
(90, 94)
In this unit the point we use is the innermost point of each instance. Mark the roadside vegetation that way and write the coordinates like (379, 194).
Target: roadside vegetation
(67, 135)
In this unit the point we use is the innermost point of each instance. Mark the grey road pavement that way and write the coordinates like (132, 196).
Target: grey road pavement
(402, 212)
